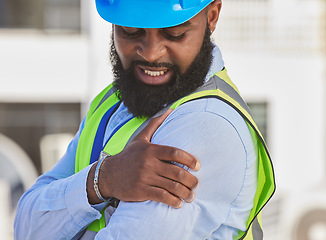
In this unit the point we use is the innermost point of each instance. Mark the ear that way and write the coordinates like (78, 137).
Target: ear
(213, 13)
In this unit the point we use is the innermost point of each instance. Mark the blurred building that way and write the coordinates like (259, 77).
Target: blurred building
(55, 58)
(275, 52)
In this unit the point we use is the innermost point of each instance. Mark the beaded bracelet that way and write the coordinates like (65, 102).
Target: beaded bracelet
(97, 170)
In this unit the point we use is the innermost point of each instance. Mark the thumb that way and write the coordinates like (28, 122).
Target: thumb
(152, 126)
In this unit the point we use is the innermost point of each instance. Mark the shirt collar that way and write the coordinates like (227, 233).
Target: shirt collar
(217, 63)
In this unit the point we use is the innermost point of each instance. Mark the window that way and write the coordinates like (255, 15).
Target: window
(266, 25)
(259, 113)
(27, 123)
(40, 14)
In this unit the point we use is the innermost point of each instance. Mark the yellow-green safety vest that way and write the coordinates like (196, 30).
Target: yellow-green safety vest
(219, 86)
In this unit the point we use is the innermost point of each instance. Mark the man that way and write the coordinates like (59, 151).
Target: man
(162, 58)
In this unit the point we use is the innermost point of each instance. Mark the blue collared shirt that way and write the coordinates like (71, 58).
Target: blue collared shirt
(56, 206)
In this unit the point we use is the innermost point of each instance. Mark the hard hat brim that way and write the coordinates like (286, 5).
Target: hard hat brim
(148, 13)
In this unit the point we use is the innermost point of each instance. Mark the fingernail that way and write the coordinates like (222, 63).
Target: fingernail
(180, 204)
(196, 186)
(192, 197)
(197, 167)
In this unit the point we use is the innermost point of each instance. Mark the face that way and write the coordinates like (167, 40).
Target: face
(154, 67)
(177, 46)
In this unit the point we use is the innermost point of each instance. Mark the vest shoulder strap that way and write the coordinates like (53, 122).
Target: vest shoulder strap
(100, 99)
(221, 87)
(100, 110)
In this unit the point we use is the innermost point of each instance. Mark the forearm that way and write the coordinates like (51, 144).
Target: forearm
(55, 208)
(151, 220)
(56, 205)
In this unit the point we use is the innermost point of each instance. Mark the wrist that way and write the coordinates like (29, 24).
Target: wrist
(90, 184)
(102, 159)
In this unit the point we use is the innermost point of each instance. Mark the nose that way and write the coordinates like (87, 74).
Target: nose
(151, 47)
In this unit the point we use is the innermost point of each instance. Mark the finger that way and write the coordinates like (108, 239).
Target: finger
(175, 188)
(177, 174)
(177, 155)
(160, 195)
(152, 126)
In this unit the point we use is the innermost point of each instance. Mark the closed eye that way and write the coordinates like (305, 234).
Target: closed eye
(132, 32)
(173, 37)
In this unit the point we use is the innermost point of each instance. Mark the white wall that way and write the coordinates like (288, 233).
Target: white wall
(294, 88)
(39, 67)
(99, 47)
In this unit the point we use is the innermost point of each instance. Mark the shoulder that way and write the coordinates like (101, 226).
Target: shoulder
(206, 119)
(212, 131)
(219, 137)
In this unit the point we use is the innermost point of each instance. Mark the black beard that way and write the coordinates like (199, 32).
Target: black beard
(143, 100)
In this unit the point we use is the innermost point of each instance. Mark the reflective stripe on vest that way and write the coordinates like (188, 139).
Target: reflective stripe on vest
(219, 86)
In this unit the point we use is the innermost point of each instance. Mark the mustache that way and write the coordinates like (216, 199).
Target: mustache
(154, 64)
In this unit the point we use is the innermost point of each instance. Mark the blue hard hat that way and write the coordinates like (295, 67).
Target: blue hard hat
(149, 13)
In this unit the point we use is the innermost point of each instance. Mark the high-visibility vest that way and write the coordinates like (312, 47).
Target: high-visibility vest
(220, 87)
